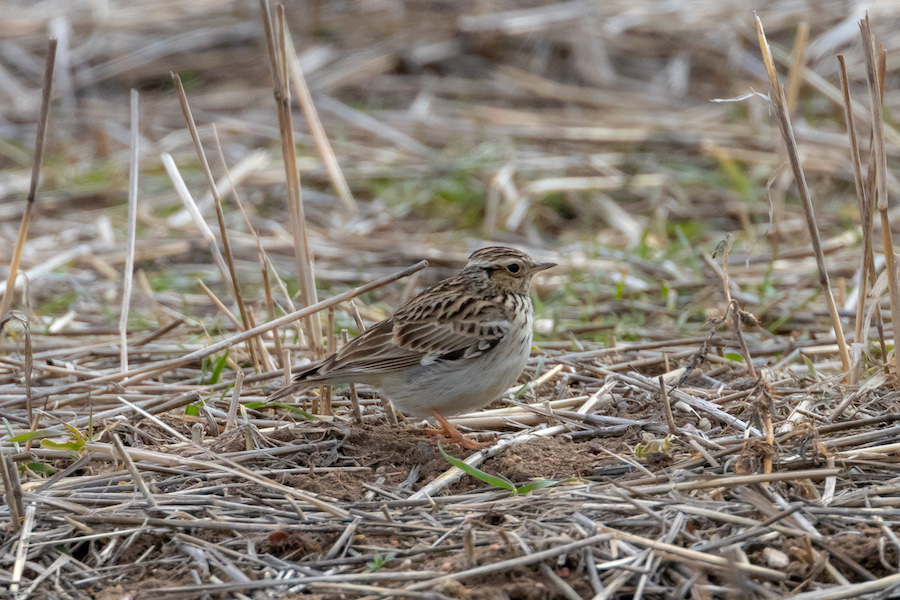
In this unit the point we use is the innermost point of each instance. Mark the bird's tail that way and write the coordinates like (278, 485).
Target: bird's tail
(299, 382)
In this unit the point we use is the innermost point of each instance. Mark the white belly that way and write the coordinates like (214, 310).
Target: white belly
(460, 386)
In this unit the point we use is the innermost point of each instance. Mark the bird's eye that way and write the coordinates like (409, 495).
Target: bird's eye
(513, 268)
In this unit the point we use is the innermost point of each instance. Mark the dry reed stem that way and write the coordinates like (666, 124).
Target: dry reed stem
(389, 411)
(220, 305)
(865, 210)
(133, 470)
(510, 563)
(247, 167)
(22, 549)
(677, 552)
(354, 309)
(790, 142)
(851, 590)
(315, 125)
(128, 279)
(235, 587)
(44, 117)
(27, 364)
(328, 390)
(667, 406)
(733, 309)
(879, 166)
(766, 406)
(278, 60)
(267, 363)
(795, 73)
(354, 397)
(231, 419)
(243, 167)
(270, 302)
(185, 195)
(12, 489)
(234, 285)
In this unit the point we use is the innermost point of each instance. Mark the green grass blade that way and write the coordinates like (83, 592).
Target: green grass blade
(73, 446)
(217, 369)
(537, 484)
(35, 435)
(495, 480)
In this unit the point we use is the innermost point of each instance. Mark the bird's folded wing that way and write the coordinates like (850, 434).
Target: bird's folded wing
(371, 352)
(456, 328)
(459, 328)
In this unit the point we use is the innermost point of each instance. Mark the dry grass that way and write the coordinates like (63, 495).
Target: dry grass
(708, 432)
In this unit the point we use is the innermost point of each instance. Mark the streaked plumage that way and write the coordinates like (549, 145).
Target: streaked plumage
(452, 348)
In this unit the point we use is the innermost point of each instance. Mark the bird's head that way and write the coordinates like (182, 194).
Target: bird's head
(508, 269)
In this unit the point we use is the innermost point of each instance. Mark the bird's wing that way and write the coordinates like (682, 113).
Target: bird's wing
(450, 326)
(370, 353)
(438, 325)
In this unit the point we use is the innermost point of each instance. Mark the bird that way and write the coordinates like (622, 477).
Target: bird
(452, 348)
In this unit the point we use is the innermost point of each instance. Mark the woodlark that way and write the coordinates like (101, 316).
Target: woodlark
(453, 348)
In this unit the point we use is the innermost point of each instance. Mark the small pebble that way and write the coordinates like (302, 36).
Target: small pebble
(776, 559)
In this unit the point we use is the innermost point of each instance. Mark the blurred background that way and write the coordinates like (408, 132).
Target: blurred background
(624, 138)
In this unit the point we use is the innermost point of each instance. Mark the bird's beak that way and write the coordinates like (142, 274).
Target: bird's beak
(542, 267)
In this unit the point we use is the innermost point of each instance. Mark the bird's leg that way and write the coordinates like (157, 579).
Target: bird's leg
(453, 433)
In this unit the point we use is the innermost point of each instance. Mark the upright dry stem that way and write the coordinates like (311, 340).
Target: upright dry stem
(217, 202)
(787, 133)
(315, 125)
(132, 233)
(865, 208)
(278, 59)
(6, 303)
(795, 74)
(270, 301)
(879, 163)
(734, 309)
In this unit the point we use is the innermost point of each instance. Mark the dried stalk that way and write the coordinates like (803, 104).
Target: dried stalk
(270, 302)
(12, 489)
(6, 303)
(787, 133)
(133, 470)
(879, 163)
(234, 285)
(231, 419)
(667, 406)
(278, 60)
(795, 73)
(328, 390)
(867, 260)
(185, 195)
(219, 304)
(354, 397)
(128, 279)
(315, 125)
(733, 309)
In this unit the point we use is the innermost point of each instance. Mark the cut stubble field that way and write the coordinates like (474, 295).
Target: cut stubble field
(221, 192)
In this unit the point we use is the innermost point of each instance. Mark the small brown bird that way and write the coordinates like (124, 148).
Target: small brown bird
(453, 348)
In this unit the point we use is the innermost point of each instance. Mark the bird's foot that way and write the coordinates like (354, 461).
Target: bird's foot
(453, 433)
